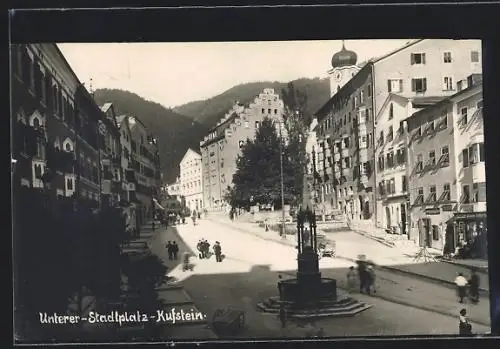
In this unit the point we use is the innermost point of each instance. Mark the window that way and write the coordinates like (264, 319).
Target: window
(432, 158)
(447, 83)
(481, 152)
(269, 111)
(476, 153)
(390, 134)
(443, 122)
(420, 196)
(463, 112)
(362, 97)
(381, 137)
(381, 188)
(390, 159)
(391, 111)
(355, 101)
(390, 186)
(367, 114)
(418, 58)
(465, 194)
(69, 184)
(401, 156)
(419, 85)
(369, 90)
(369, 139)
(381, 163)
(479, 104)
(394, 85)
(263, 110)
(430, 126)
(347, 162)
(474, 56)
(275, 111)
(446, 196)
(479, 192)
(447, 57)
(346, 143)
(420, 162)
(404, 183)
(445, 156)
(432, 193)
(345, 120)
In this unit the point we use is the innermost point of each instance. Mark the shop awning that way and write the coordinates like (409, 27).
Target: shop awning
(157, 204)
(469, 215)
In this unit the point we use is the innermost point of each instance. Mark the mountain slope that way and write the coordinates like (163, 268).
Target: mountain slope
(176, 133)
(209, 111)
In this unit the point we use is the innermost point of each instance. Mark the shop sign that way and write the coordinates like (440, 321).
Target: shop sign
(474, 215)
(447, 207)
(432, 211)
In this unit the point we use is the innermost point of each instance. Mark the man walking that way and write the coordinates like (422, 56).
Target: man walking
(175, 250)
(474, 287)
(170, 250)
(218, 252)
(461, 283)
(280, 286)
(282, 316)
(201, 248)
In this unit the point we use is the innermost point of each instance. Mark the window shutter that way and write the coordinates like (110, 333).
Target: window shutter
(413, 85)
(412, 59)
(423, 58)
(465, 157)
(401, 85)
(389, 86)
(424, 84)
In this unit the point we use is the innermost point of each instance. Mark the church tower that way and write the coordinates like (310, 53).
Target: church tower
(343, 69)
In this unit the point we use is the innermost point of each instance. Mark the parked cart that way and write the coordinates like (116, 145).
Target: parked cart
(228, 321)
(326, 248)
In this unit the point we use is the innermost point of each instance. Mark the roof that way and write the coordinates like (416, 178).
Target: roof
(391, 97)
(190, 151)
(119, 119)
(448, 99)
(408, 44)
(105, 107)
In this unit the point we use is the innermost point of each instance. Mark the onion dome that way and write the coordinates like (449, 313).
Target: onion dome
(344, 58)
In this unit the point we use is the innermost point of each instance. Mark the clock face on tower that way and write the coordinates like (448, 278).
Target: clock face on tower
(338, 76)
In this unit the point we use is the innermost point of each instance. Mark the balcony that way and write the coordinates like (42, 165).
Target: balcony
(364, 155)
(474, 173)
(336, 157)
(345, 152)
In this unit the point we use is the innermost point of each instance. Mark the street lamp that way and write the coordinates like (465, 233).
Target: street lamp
(283, 231)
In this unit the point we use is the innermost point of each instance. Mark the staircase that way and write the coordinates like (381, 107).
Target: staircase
(343, 307)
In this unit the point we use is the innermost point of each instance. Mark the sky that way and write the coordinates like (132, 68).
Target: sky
(176, 73)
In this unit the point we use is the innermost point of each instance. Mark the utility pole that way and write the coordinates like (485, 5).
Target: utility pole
(408, 174)
(283, 231)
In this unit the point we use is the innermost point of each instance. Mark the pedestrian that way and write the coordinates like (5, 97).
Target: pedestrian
(206, 249)
(199, 215)
(464, 327)
(282, 316)
(351, 279)
(170, 250)
(461, 283)
(280, 286)
(185, 261)
(218, 252)
(371, 279)
(175, 250)
(200, 248)
(474, 287)
(362, 276)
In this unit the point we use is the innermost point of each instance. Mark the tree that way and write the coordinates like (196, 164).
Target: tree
(297, 122)
(258, 176)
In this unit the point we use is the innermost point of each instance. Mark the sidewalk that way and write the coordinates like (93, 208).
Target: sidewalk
(435, 271)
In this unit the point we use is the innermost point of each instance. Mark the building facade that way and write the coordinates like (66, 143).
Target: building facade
(191, 178)
(427, 71)
(221, 147)
(175, 188)
(54, 124)
(447, 172)
(424, 71)
(111, 157)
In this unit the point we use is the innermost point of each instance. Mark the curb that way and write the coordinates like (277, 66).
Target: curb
(369, 236)
(481, 269)
(482, 291)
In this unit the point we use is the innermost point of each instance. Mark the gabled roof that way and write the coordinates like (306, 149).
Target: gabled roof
(408, 44)
(105, 107)
(189, 151)
(391, 97)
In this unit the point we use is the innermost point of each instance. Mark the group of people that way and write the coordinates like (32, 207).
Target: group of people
(203, 247)
(471, 285)
(366, 276)
(172, 249)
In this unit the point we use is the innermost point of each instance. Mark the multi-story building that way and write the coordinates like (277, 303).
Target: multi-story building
(175, 188)
(446, 168)
(221, 147)
(145, 161)
(191, 180)
(421, 70)
(54, 123)
(128, 173)
(111, 157)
